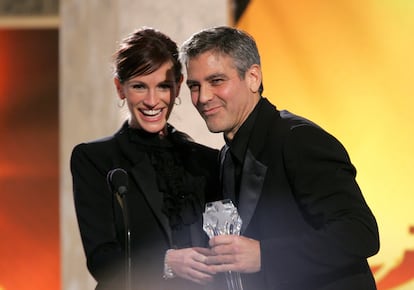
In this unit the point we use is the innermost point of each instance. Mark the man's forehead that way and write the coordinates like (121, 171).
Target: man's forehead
(210, 60)
(211, 54)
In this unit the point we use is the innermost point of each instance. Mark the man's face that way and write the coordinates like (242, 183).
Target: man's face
(222, 98)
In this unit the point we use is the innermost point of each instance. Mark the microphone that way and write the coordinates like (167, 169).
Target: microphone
(117, 180)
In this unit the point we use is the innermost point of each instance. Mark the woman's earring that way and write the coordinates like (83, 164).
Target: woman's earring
(177, 103)
(121, 103)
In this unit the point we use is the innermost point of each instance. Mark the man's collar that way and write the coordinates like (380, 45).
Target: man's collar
(238, 145)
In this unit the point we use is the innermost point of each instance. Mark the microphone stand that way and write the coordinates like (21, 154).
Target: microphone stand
(118, 183)
(124, 205)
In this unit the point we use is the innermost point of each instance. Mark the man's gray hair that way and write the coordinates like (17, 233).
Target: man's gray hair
(237, 44)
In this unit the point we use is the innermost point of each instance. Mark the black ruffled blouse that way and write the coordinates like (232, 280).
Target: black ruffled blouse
(180, 189)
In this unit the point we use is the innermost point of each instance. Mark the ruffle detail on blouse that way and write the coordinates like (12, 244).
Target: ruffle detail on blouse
(181, 190)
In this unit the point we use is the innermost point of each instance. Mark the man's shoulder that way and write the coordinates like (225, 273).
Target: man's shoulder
(294, 121)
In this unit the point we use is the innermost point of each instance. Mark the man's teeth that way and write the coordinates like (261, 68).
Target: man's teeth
(151, 112)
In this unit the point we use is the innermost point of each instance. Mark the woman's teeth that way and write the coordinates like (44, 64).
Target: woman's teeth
(151, 112)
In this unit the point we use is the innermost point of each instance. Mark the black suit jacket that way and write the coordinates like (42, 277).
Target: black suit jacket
(299, 198)
(100, 216)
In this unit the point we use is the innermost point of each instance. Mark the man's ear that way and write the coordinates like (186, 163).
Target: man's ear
(254, 78)
(118, 87)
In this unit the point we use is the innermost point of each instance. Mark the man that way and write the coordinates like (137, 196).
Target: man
(306, 224)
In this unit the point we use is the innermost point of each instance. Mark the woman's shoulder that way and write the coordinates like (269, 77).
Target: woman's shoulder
(100, 154)
(95, 145)
(101, 144)
(99, 150)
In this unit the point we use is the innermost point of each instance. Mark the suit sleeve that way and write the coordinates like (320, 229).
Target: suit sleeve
(94, 210)
(341, 229)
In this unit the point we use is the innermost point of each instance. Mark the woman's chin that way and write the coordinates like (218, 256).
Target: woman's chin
(153, 128)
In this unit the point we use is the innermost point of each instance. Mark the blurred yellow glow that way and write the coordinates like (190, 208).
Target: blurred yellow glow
(348, 65)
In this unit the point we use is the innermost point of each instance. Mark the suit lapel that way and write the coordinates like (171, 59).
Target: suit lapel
(254, 171)
(253, 176)
(143, 174)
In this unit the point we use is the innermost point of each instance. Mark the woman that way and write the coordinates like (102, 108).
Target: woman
(168, 175)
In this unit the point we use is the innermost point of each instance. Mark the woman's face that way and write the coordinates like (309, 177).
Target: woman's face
(150, 98)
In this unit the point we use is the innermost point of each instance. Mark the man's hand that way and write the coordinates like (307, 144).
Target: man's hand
(189, 263)
(234, 253)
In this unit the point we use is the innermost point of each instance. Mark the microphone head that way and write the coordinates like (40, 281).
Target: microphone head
(118, 180)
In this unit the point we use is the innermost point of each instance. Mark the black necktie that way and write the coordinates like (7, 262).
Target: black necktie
(228, 174)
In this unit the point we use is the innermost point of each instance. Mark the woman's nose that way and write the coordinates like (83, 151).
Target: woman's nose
(151, 98)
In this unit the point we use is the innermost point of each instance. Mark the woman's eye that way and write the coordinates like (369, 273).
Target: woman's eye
(138, 86)
(165, 86)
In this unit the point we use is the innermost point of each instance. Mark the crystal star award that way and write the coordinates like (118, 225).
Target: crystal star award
(221, 218)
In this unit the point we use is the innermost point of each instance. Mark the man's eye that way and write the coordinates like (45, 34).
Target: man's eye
(216, 82)
(194, 88)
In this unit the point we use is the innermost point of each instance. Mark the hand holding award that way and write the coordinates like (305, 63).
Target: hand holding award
(221, 218)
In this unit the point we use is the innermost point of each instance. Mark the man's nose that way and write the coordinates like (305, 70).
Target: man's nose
(206, 94)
